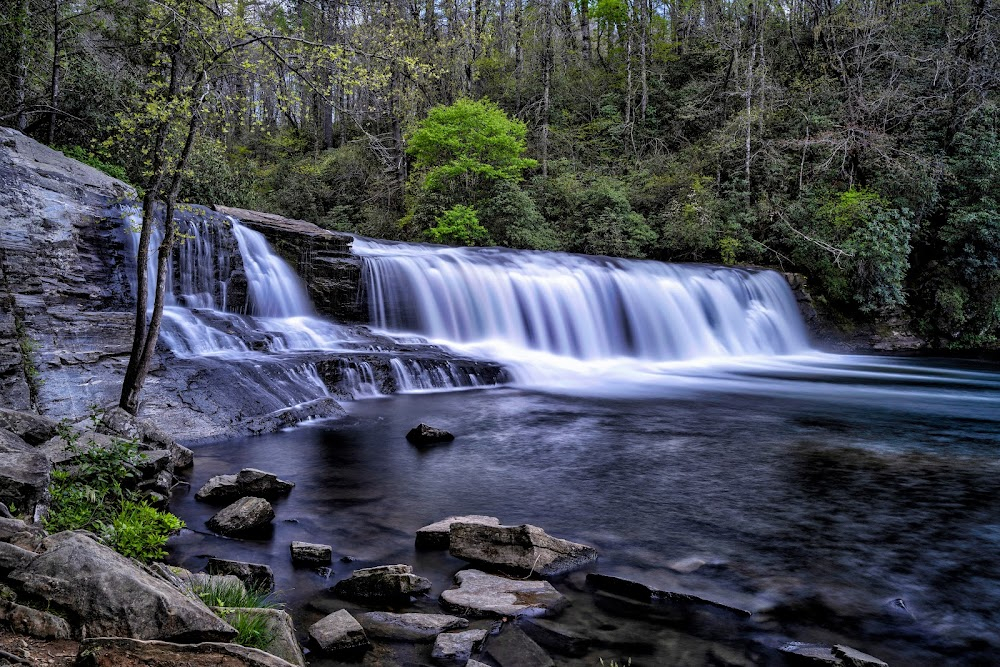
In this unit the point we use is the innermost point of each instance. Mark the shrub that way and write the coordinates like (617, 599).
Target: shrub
(81, 154)
(459, 225)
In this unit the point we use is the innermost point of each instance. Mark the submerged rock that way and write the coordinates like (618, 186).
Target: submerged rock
(513, 648)
(481, 594)
(339, 632)
(106, 594)
(436, 535)
(454, 649)
(243, 516)
(554, 636)
(247, 482)
(810, 654)
(523, 549)
(408, 627)
(118, 652)
(256, 576)
(422, 434)
(304, 553)
(639, 592)
(386, 582)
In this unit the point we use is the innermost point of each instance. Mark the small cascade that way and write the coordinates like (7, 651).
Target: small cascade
(547, 313)
(413, 375)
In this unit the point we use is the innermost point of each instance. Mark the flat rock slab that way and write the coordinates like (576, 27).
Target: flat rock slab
(247, 482)
(279, 624)
(409, 627)
(107, 595)
(436, 535)
(523, 549)
(454, 649)
(852, 657)
(304, 553)
(118, 652)
(481, 594)
(513, 648)
(422, 434)
(244, 516)
(810, 654)
(386, 582)
(640, 592)
(256, 576)
(339, 632)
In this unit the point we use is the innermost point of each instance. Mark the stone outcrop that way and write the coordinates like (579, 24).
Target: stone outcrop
(119, 652)
(338, 631)
(104, 594)
(424, 434)
(482, 594)
(523, 549)
(436, 535)
(386, 582)
(408, 627)
(246, 515)
(247, 482)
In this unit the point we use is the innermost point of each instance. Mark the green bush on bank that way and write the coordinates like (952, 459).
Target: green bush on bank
(95, 491)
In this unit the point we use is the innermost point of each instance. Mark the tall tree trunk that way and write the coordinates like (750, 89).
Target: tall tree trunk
(56, 70)
(585, 29)
(21, 67)
(644, 20)
(518, 51)
(547, 66)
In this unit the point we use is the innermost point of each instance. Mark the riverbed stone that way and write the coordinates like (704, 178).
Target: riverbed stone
(852, 657)
(423, 434)
(513, 648)
(255, 576)
(243, 516)
(120, 652)
(554, 636)
(810, 654)
(524, 549)
(408, 627)
(279, 624)
(385, 582)
(305, 553)
(33, 622)
(454, 649)
(436, 535)
(339, 631)
(247, 482)
(106, 594)
(32, 428)
(482, 594)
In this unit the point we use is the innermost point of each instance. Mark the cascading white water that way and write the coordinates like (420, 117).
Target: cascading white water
(580, 307)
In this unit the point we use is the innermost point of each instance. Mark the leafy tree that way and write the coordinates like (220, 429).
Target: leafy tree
(459, 225)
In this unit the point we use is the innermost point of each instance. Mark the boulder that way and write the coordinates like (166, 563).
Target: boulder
(256, 576)
(422, 434)
(555, 637)
(11, 443)
(523, 549)
(435, 535)
(117, 421)
(106, 594)
(247, 482)
(454, 649)
(279, 624)
(481, 594)
(24, 478)
(304, 553)
(33, 622)
(386, 582)
(243, 516)
(338, 632)
(513, 648)
(34, 429)
(155, 461)
(810, 654)
(119, 652)
(852, 657)
(14, 558)
(408, 627)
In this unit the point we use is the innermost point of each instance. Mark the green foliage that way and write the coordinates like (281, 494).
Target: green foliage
(471, 142)
(81, 154)
(221, 593)
(94, 490)
(218, 176)
(459, 225)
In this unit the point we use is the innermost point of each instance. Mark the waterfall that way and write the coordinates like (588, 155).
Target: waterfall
(584, 308)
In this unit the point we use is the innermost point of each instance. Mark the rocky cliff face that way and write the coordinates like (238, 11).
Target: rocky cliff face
(66, 308)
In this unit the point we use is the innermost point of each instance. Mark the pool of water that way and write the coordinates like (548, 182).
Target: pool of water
(842, 501)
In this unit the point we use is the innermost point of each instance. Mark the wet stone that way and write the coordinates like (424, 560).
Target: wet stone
(482, 594)
(339, 632)
(409, 627)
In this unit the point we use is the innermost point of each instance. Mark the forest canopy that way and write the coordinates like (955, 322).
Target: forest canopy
(853, 141)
